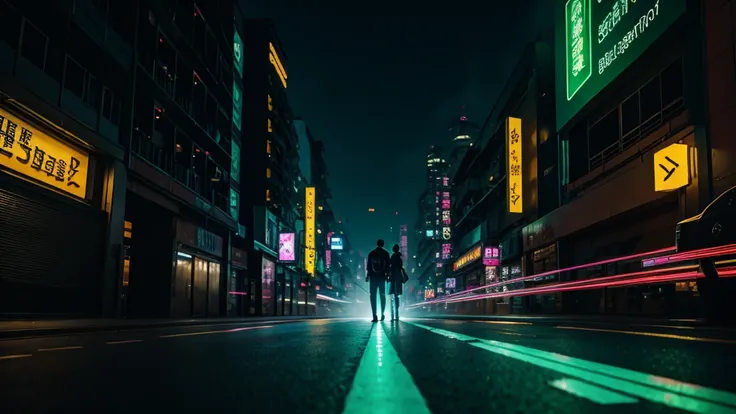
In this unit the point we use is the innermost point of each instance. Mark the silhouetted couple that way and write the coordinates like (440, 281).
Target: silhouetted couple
(383, 268)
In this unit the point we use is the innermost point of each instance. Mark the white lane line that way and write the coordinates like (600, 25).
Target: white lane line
(661, 390)
(60, 348)
(591, 392)
(129, 341)
(215, 332)
(15, 356)
(382, 384)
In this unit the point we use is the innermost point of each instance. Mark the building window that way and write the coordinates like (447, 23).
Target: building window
(268, 146)
(110, 106)
(34, 45)
(268, 173)
(268, 194)
(270, 126)
(270, 103)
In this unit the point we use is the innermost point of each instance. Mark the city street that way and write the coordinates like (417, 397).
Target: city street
(417, 365)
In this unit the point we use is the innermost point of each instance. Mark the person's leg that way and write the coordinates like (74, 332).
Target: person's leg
(382, 292)
(396, 305)
(372, 288)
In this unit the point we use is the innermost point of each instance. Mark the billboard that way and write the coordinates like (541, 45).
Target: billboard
(514, 163)
(596, 40)
(287, 248)
(336, 243)
(491, 256)
(310, 254)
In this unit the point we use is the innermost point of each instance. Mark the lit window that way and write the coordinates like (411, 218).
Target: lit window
(270, 127)
(268, 194)
(270, 103)
(268, 146)
(268, 173)
(128, 231)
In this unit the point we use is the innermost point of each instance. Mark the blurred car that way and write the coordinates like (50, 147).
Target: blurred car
(715, 226)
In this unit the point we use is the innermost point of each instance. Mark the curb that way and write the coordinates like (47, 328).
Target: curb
(45, 332)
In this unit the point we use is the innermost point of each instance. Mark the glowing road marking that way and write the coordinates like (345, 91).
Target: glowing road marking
(382, 384)
(215, 332)
(60, 348)
(591, 392)
(15, 356)
(130, 341)
(661, 390)
(652, 334)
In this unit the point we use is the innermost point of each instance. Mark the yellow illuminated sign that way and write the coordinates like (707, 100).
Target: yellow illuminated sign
(30, 152)
(273, 57)
(310, 253)
(467, 258)
(671, 168)
(514, 165)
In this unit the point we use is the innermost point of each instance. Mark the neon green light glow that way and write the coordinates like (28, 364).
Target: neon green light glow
(660, 390)
(578, 67)
(591, 392)
(382, 384)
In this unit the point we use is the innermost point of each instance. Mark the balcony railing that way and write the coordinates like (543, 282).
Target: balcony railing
(164, 162)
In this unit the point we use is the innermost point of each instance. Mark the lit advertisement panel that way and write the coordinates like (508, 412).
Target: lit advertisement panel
(446, 251)
(287, 250)
(268, 271)
(671, 168)
(238, 52)
(31, 152)
(514, 165)
(310, 230)
(467, 258)
(597, 40)
(336, 243)
(491, 256)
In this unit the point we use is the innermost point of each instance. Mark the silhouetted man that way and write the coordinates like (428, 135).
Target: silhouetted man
(378, 266)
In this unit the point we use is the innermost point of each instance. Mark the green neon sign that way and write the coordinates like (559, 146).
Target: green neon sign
(596, 40)
(577, 44)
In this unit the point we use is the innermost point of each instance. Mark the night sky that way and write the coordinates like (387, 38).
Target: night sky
(380, 86)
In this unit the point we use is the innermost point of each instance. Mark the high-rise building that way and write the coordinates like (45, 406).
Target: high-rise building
(127, 108)
(270, 159)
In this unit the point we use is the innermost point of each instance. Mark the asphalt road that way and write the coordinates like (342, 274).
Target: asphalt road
(354, 366)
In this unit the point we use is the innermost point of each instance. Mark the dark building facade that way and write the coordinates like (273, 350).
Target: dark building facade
(489, 217)
(634, 96)
(64, 77)
(179, 223)
(270, 160)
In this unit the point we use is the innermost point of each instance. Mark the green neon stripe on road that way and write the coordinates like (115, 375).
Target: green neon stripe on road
(591, 392)
(382, 384)
(656, 389)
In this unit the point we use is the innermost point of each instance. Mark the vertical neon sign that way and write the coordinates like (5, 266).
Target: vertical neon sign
(310, 230)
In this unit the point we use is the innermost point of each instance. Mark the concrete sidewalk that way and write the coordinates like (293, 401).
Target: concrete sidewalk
(13, 329)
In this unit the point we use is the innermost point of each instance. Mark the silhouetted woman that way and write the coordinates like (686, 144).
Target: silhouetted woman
(396, 281)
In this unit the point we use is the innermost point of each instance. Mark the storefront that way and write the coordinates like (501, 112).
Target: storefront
(468, 270)
(239, 292)
(268, 285)
(198, 271)
(54, 229)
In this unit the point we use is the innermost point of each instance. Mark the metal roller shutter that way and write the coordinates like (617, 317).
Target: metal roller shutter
(51, 255)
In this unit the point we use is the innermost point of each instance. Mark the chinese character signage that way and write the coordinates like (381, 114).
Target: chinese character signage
(577, 54)
(514, 165)
(287, 248)
(596, 40)
(446, 251)
(446, 233)
(671, 168)
(446, 220)
(491, 256)
(310, 252)
(467, 258)
(238, 52)
(30, 152)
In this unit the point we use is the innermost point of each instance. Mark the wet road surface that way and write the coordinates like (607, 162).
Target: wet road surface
(351, 365)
